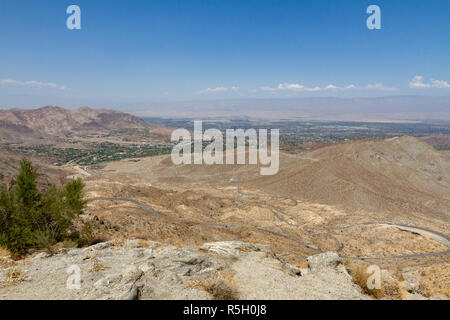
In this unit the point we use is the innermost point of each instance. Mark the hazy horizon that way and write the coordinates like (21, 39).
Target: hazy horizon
(386, 108)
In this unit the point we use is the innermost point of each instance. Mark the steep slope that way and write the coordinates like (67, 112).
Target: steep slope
(400, 174)
(10, 165)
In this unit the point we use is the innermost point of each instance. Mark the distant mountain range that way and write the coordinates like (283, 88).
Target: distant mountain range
(391, 108)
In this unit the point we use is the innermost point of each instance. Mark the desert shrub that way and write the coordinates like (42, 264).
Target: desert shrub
(221, 285)
(390, 287)
(30, 218)
(15, 276)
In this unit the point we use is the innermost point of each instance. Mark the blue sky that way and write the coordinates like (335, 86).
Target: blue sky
(134, 52)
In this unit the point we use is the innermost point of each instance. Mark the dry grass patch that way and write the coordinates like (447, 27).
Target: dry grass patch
(390, 286)
(4, 252)
(5, 262)
(15, 275)
(436, 280)
(5, 258)
(118, 240)
(177, 242)
(138, 235)
(302, 264)
(221, 285)
(97, 266)
(144, 243)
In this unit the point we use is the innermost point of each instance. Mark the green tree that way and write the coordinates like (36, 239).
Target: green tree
(26, 187)
(30, 218)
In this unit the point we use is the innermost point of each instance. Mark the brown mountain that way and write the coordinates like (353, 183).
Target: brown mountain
(395, 175)
(401, 175)
(56, 121)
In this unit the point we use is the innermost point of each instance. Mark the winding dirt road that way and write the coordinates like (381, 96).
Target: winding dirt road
(435, 235)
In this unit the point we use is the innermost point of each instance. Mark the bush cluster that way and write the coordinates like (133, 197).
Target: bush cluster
(31, 218)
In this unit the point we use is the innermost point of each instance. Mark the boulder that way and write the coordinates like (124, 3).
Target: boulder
(326, 260)
(131, 274)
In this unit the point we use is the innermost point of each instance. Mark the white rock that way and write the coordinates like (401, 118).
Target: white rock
(411, 284)
(73, 252)
(131, 274)
(326, 260)
(101, 245)
(41, 255)
(108, 280)
(147, 266)
(342, 269)
(131, 293)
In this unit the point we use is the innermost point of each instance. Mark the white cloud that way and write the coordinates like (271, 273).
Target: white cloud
(313, 89)
(33, 83)
(417, 82)
(213, 90)
(299, 87)
(379, 86)
(290, 87)
(440, 84)
(219, 90)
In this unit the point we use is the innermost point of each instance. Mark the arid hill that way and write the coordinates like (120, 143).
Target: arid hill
(402, 175)
(57, 121)
(394, 175)
(84, 135)
(47, 174)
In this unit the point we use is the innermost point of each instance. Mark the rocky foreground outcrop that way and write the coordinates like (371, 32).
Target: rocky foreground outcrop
(141, 270)
(136, 269)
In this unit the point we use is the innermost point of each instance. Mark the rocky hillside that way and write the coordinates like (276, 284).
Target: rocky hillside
(142, 270)
(137, 269)
(57, 121)
(399, 174)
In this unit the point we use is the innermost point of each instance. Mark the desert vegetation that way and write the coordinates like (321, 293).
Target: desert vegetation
(37, 219)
